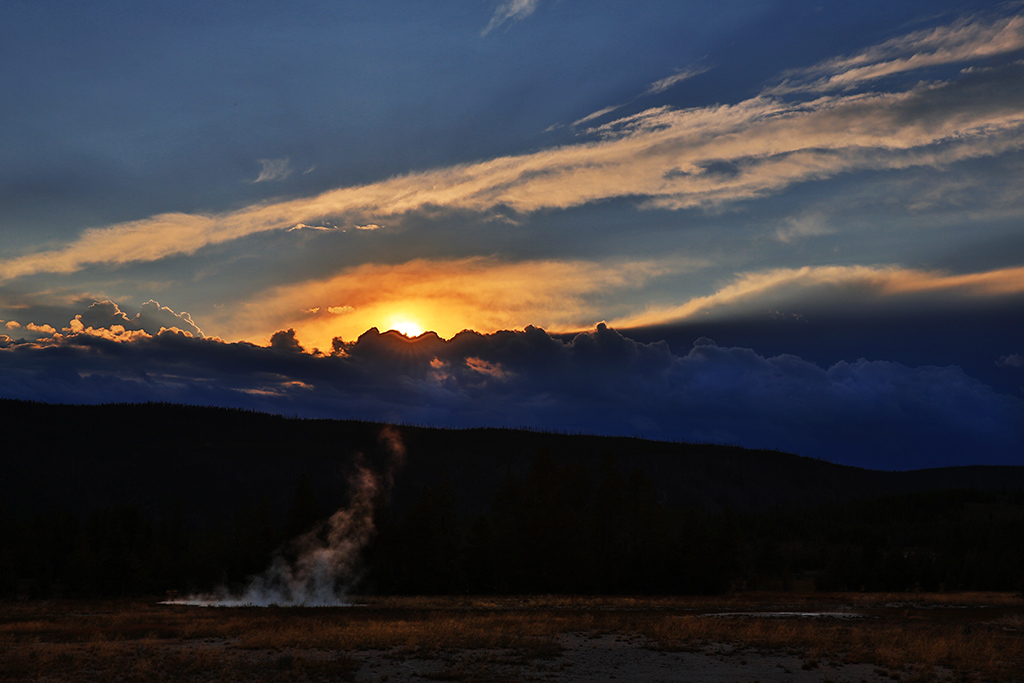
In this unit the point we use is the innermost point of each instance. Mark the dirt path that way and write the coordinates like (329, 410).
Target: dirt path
(615, 658)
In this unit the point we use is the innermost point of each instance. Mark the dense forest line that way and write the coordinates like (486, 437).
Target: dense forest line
(142, 499)
(560, 527)
(209, 462)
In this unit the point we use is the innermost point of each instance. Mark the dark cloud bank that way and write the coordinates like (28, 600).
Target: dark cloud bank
(870, 413)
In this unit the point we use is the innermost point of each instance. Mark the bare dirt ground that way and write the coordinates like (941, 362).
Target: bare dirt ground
(741, 638)
(612, 657)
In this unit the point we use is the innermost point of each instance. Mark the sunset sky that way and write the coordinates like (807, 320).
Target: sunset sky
(791, 225)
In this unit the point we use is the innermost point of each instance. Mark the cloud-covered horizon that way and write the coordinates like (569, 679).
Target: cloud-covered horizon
(875, 414)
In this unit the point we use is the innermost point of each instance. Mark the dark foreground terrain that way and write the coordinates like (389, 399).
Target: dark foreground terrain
(742, 637)
(151, 498)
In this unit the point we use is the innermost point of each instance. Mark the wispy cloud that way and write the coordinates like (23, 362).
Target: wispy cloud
(510, 10)
(655, 88)
(806, 284)
(963, 41)
(799, 227)
(664, 84)
(596, 115)
(274, 169)
(667, 158)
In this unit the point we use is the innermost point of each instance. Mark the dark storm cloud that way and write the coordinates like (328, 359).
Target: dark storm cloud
(873, 413)
(974, 334)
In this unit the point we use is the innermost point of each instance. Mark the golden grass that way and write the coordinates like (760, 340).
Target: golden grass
(910, 636)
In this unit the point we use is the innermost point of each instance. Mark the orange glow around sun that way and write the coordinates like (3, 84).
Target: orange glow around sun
(407, 326)
(445, 297)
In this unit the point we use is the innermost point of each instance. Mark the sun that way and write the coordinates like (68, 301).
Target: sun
(406, 326)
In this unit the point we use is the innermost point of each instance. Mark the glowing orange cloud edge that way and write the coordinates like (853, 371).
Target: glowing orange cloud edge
(487, 295)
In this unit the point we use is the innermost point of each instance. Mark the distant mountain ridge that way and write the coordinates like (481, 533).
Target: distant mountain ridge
(209, 461)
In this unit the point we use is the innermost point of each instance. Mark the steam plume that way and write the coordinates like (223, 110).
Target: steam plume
(327, 558)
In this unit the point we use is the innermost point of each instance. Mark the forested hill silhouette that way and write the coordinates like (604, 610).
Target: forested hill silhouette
(208, 461)
(142, 499)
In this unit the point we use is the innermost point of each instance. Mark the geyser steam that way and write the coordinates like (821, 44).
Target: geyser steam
(324, 561)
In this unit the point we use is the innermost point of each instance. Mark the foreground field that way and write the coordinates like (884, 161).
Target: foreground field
(744, 637)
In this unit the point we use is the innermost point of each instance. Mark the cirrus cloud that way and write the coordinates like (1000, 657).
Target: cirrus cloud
(702, 157)
(273, 169)
(510, 10)
(663, 84)
(866, 283)
(965, 40)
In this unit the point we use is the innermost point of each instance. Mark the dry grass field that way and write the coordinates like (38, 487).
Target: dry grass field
(743, 637)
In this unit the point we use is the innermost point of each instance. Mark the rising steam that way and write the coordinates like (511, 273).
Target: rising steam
(326, 559)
